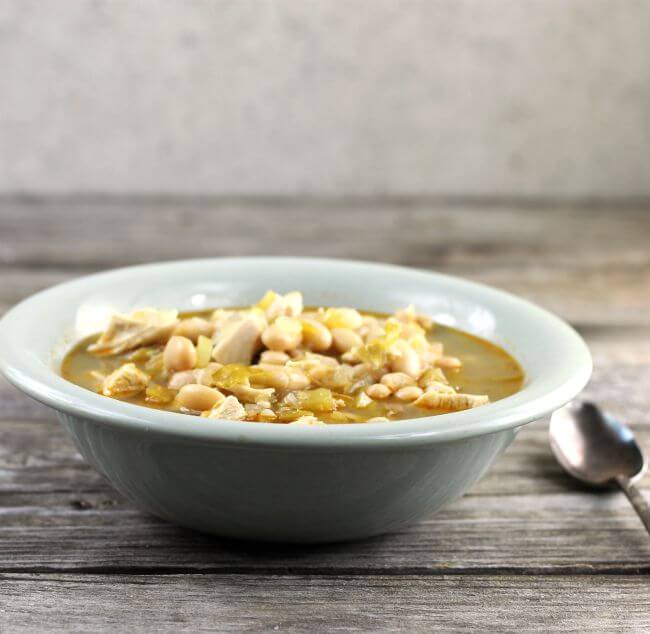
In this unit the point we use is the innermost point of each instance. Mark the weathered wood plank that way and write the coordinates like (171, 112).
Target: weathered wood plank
(141, 229)
(38, 458)
(15, 405)
(591, 267)
(337, 603)
(17, 284)
(576, 531)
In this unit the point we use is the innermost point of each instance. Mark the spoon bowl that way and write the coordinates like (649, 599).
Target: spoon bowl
(599, 450)
(593, 446)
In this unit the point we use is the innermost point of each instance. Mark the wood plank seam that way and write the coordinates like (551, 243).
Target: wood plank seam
(613, 570)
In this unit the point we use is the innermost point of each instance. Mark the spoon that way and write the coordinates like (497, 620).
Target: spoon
(597, 449)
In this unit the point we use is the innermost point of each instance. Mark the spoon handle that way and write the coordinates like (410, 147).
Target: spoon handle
(638, 501)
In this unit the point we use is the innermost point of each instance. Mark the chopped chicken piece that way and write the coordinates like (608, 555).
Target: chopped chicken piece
(337, 378)
(451, 402)
(205, 375)
(289, 305)
(370, 329)
(252, 410)
(307, 420)
(202, 376)
(140, 328)
(266, 415)
(127, 380)
(230, 409)
(311, 362)
(249, 394)
(221, 316)
(440, 388)
(181, 379)
(433, 376)
(363, 400)
(238, 341)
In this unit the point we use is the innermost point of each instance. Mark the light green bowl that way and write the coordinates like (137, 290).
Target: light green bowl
(277, 482)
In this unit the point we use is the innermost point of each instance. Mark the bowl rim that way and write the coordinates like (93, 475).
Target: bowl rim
(51, 389)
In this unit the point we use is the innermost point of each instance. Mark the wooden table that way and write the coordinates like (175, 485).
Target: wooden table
(524, 549)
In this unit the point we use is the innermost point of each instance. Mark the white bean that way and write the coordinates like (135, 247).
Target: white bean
(345, 339)
(199, 397)
(408, 362)
(274, 357)
(396, 380)
(193, 327)
(409, 393)
(448, 363)
(179, 354)
(378, 391)
(285, 333)
(298, 380)
(343, 318)
(315, 335)
(274, 376)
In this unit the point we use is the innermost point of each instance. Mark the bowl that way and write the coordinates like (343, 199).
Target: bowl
(273, 482)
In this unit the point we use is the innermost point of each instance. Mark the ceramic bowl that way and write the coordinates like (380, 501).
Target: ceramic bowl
(276, 482)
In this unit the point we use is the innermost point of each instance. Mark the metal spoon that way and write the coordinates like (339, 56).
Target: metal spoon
(595, 448)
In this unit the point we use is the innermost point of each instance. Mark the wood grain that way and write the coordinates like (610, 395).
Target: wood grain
(575, 532)
(526, 549)
(591, 269)
(180, 603)
(106, 231)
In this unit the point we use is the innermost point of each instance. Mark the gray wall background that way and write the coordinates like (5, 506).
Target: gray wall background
(446, 98)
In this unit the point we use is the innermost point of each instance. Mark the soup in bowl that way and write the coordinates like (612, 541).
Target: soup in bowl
(366, 439)
(279, 362)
